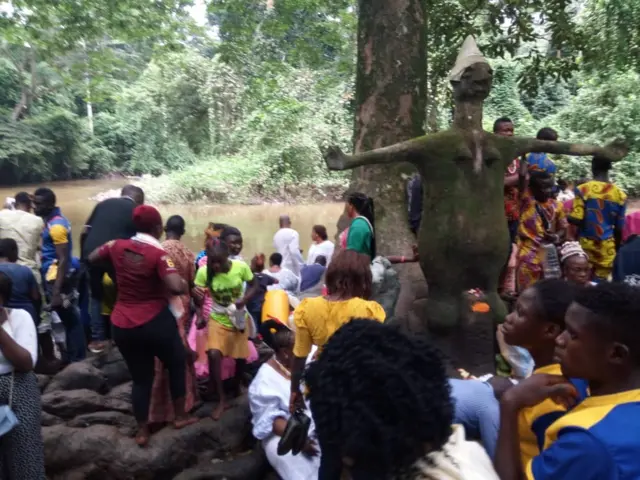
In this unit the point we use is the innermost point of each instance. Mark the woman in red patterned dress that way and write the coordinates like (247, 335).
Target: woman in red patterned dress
(161, 408)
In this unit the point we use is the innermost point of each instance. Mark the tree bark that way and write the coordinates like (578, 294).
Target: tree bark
(390, 108)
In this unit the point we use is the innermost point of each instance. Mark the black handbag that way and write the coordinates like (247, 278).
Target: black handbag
(295, 434)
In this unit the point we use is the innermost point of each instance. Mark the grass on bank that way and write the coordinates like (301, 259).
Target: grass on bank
(247, 180)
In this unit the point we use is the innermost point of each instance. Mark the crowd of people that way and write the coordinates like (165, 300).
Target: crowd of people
(379, 402)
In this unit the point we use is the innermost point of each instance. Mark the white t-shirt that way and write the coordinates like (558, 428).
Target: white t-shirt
(21, 328)
(316, 250)
(459, 459)
(286, 241)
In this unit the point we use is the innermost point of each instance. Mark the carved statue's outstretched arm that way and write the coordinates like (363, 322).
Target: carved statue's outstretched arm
(614, 151)
(407, 151)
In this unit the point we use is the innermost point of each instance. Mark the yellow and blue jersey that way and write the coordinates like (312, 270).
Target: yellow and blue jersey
(533, 422)
(598, 440)
(57, 232)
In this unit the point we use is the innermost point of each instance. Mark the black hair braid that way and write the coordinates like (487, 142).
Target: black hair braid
(380, 398)
(554, 297)
(364, 206)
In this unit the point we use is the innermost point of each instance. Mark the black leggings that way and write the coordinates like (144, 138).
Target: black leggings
(139, 347)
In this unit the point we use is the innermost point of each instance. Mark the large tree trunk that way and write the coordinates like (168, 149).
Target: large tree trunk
(390, 108)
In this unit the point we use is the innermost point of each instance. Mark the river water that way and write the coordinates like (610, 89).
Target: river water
(257, 223)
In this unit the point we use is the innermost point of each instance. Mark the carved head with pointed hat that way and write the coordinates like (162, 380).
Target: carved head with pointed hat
(471, 76)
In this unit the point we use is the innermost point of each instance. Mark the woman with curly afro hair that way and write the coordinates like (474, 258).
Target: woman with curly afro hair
(382, 408)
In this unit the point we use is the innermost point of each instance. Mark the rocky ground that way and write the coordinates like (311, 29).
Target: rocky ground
(88, 424)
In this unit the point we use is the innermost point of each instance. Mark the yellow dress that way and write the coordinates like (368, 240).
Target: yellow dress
(317, 319)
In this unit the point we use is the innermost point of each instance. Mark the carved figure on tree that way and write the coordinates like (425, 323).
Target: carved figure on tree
(466, 242)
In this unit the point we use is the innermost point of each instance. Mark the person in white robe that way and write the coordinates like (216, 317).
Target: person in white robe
(269, 402)
(286, 241)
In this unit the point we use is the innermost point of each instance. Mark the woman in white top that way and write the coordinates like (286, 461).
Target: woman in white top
(321, 246)
(21, 449)
(269, 401)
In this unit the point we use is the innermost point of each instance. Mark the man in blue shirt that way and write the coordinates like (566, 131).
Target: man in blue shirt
(59, 274)
(25, 293)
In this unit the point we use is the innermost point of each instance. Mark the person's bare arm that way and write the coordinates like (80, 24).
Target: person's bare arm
(614, 151)
(279, 426)
(17, 355)
(415, 257)
(512, 180)
(252, 289)
(523, 177)
(175, 284)
(508, 461)
(409, 151)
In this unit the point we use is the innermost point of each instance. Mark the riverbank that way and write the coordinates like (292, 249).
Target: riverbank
(240, 180)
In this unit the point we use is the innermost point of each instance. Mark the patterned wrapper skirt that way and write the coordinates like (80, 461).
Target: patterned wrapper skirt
(22, 449)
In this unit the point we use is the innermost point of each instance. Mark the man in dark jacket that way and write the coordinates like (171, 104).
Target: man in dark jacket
(110, 220)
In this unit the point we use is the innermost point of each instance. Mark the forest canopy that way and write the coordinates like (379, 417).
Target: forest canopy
(235, 106)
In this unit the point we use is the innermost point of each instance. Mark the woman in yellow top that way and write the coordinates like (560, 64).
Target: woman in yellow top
(348, 281)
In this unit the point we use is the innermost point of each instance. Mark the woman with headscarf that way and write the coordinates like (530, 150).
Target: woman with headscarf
(143, 325)
(349, 284)
(361, 233)
(161, 409)
(575, 264)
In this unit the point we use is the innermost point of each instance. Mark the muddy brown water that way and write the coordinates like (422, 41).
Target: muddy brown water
(257, 223)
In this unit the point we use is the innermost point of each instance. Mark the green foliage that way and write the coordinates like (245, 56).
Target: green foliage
(505, 99)
(602, 111)
(272, 149)
(612, 36)
(240, 113)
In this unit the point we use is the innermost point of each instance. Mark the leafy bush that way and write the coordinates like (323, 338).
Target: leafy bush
(603, 110)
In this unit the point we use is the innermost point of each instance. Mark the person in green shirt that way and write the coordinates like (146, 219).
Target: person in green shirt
(228, 332)
(360, 236)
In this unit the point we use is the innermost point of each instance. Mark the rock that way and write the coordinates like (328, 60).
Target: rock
(116, 419)
(112, 366)
(48, 420)
(83, 473)
(251, 465)
(43, 381)
(117, 457)
(121, 392)
(69, 404)
(80, 375)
